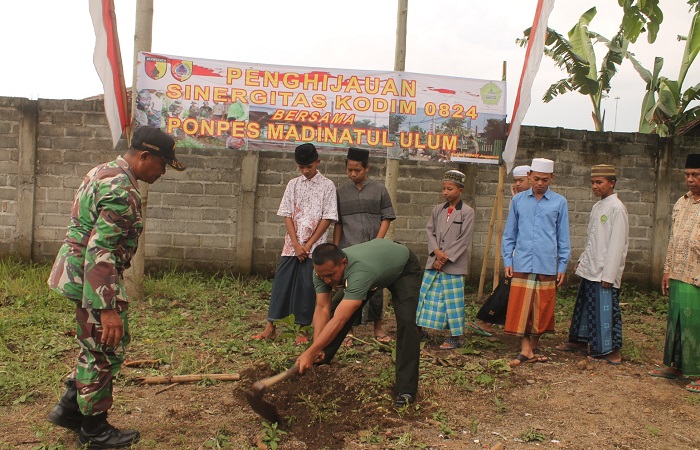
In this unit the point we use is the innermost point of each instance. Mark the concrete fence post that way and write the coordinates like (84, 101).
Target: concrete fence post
(29, 119)
(662, 211)
(245, 221)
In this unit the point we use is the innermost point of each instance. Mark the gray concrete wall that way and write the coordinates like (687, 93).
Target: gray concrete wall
(221, 213)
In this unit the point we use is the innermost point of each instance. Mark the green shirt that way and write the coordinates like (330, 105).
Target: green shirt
(372, 265)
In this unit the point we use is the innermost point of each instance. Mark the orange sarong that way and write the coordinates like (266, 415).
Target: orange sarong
(531, 304)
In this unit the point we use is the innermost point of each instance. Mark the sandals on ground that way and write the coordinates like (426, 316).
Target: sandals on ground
(450, 343)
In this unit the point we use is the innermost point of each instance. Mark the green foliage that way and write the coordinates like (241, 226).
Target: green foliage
(576, 56)
(666, 107)
(220, 440)
(653, 431)
(290, 330)
(271, 435)
(320, 410)
(640, 16)
(532, 435)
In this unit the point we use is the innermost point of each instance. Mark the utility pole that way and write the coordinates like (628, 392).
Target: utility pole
(392, 165)
(143, 34)
(615, 123)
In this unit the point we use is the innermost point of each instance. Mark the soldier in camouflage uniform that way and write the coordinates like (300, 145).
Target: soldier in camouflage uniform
(102, 238)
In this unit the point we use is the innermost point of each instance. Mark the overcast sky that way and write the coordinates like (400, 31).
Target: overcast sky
(47, 45)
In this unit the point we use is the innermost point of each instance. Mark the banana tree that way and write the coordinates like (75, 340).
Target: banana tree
(666, 107)
(576, 55)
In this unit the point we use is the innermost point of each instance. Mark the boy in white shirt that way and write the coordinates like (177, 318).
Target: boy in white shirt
(596, 325)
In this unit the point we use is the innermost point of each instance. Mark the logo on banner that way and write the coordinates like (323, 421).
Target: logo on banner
(491, 94)
(156, 67)
(181, 70)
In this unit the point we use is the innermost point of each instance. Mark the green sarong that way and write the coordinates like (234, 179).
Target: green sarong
(682, 349)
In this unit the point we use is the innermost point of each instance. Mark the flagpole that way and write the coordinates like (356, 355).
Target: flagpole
(497, 220)
(143, 33)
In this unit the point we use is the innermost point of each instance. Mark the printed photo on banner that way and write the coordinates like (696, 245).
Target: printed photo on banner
(244, 106)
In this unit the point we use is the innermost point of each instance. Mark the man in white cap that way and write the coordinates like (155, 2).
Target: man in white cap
(494, 313)
(596, 325)
(535, 251)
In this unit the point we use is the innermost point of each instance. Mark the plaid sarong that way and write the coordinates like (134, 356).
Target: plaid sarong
(441, 302)
(597, 321)
(682, 349)
(531, 304)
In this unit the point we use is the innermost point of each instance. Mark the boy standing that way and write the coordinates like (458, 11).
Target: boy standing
(308, 207)
(596, 325)
(535, 253)
(364, 213)
(489, 315)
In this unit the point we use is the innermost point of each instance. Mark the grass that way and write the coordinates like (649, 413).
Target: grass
(198, 322)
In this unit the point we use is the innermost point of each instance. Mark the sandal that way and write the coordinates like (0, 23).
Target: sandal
(522, 359)
(664, 372)
(347, 342)
(693, 387)
(301, 340)
(477, 329)
(450, 343)
(382, 338)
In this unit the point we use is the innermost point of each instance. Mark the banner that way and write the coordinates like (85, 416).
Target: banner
(243, 106)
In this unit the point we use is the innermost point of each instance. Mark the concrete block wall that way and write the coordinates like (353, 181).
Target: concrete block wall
(10, 110)
(194, 217)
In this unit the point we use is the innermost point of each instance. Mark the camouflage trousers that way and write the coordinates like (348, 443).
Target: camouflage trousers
(97, 364)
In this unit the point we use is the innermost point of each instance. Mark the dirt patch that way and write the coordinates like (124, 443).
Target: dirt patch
(467, 399)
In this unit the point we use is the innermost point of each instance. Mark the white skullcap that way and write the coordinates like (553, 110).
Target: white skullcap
(542, 165)
(521, 171)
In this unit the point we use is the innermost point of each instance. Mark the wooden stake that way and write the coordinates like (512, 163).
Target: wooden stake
(499, 226)
(188, 378)
(487, 248)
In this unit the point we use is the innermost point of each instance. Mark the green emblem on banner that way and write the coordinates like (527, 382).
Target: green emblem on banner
(603, 218)
(491, 94)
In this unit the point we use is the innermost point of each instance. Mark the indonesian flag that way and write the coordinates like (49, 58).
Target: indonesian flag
(108, 63)
(533, 57)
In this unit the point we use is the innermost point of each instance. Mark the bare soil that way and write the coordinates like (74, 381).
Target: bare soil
(466, 401)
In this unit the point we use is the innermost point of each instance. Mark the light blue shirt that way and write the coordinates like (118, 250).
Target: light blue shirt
(536, 237)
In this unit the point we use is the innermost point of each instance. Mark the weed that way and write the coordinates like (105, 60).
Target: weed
(653, 431)
(406, 440)
(271, 435)
(474, 425)
(371, 436)
(500, 408)
(692, 400)
(290, 329)
(532, 435)
(319, 410)
(220, 440)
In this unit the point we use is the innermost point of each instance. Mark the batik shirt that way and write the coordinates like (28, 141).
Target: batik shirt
(102, 237)
(683, 255)
(307, 202)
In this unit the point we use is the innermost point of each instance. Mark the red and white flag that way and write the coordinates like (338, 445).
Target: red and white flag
(533, 57)
(108, 63)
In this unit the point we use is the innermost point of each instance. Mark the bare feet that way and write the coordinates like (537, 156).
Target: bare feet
(572, 347)
(268, 332)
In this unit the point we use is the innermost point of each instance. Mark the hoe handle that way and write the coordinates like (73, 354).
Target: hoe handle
(263, 384)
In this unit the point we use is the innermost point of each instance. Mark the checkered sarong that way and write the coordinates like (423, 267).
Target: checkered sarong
(441, 303)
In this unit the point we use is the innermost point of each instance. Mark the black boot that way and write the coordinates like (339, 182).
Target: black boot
(66, 413)
(98, 433)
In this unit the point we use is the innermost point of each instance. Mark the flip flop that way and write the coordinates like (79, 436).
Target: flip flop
(450, 343)
(522, 359)
(347, 342)
(383, 338)
(664, 373)
(477, 329)
(694, 388)
(604, 359)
